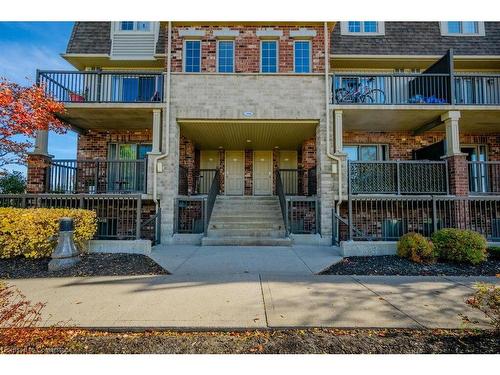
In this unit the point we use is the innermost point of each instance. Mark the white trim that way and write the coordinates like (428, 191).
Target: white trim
(303, 33)
(344, 29)
(277, 56)
(191, 33)
(217, 55)
(184, 54)
(226, 33)
(443, 26)
(269, 33)
(310, 55)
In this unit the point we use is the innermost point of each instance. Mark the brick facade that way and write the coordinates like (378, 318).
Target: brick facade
(37, 173)
(94, 144)
(247, 48)
(458, 175)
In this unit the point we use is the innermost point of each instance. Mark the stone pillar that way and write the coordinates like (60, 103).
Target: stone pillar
(338, 133)
(42, 143)
(156, 131)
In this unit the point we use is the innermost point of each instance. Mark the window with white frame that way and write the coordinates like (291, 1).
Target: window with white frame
(139, 26)
(269, 56)
(462, 28)
(192, 56)
(362, 28)
(225, 56)
(302, 56)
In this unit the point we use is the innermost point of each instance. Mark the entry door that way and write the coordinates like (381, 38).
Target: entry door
(209, 162)
(235, 172)
(263, 172)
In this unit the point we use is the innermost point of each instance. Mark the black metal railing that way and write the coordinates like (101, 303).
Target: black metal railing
(389, 217)
(119, 217)
(190, 214)
(477, 89)
(303, 215)
(353, 88)
(204, 180)
(280, 192)
(102, 87)
(299, 181)
(212, 196)
(484, 177)
(96, 176)
(398, 177)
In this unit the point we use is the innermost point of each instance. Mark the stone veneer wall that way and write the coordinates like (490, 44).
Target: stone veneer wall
(247, 48)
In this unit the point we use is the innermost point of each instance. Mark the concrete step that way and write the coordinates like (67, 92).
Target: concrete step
(246, 232)
(274, 218)
(249, 224)
(245, 241)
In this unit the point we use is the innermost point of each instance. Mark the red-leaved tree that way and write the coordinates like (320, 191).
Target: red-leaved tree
(23, 111)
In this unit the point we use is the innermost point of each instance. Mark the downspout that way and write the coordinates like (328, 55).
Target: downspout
(327, 108)
(166, 128)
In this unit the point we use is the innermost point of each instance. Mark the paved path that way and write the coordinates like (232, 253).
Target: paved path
(253, 301)
(217, 260)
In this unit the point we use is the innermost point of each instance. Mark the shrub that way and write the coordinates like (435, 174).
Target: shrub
(494, 252)
(487, 299)
(12, 183)
(417, 248)
(458, 245)
(32, 232)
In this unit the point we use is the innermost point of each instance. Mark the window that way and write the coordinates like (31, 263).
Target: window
(302, 56)
(135, 26)
(362, 28)
(269, 56)
(366, 152)
(462, 28)
(225, 58)
(192, 56)
(126, 176)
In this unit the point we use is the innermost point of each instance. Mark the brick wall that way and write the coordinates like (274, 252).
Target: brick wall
(248, 172)
(247, 48)
(187, 159)
(37, 173)
(94, 144)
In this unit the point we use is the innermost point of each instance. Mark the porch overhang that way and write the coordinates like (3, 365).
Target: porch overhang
(247, 134)
(417, 118)
(110, 116)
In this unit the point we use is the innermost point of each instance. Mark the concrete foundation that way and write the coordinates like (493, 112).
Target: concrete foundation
(120, 246)
(367, 248)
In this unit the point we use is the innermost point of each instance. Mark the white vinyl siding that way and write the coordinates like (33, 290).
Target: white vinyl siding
(138, 43)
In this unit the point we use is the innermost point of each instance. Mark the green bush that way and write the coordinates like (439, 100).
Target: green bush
(12, 183)
(494, 252)
(417, 248)
(458, 245)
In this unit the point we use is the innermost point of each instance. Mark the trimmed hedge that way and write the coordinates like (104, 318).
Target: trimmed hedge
(417, 248)
(458, 245)
(32, 232)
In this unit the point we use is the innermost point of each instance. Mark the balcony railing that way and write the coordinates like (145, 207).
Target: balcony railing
(299, 181)
(415, 89)
(102, 87)
(398, 177)
(484, 177)
(97, 176)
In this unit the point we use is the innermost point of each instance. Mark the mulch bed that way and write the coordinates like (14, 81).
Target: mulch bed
(90, 265)
(271, 342)
(394, 265)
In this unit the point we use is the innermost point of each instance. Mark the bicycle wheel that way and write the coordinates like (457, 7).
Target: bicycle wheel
(341, 95)
(374, 96)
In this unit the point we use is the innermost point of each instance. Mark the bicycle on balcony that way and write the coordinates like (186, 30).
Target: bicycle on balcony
(359, 92)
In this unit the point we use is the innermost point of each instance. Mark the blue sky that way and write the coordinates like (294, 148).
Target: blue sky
(27, 46)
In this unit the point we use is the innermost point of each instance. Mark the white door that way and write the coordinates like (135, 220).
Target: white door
(262, 172)
(235, 172)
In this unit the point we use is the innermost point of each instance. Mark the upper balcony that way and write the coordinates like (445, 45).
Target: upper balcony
(102, 86)
(415, 89)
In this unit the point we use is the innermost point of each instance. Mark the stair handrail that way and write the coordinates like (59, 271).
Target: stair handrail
(280, 192)
(211, 197)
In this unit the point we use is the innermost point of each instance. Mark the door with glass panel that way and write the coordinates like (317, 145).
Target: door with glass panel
(126, 167)
(235, 172)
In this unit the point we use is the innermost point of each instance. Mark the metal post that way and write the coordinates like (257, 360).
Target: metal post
(145, 186)
(99, 78)
(158, 226)
(349, 199)
(138, 218)
(96, 177)
(447, 177)
(397, 177)
(434, 214)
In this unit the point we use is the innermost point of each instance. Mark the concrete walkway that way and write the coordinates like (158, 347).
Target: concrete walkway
(253, 301)
(217, 260)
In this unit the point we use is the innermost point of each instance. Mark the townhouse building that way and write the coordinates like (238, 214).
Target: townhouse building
(270, 133)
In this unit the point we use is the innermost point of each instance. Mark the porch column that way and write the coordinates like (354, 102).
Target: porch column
(457, 162)
(38, 163)
(156, 131)
(339, 146)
